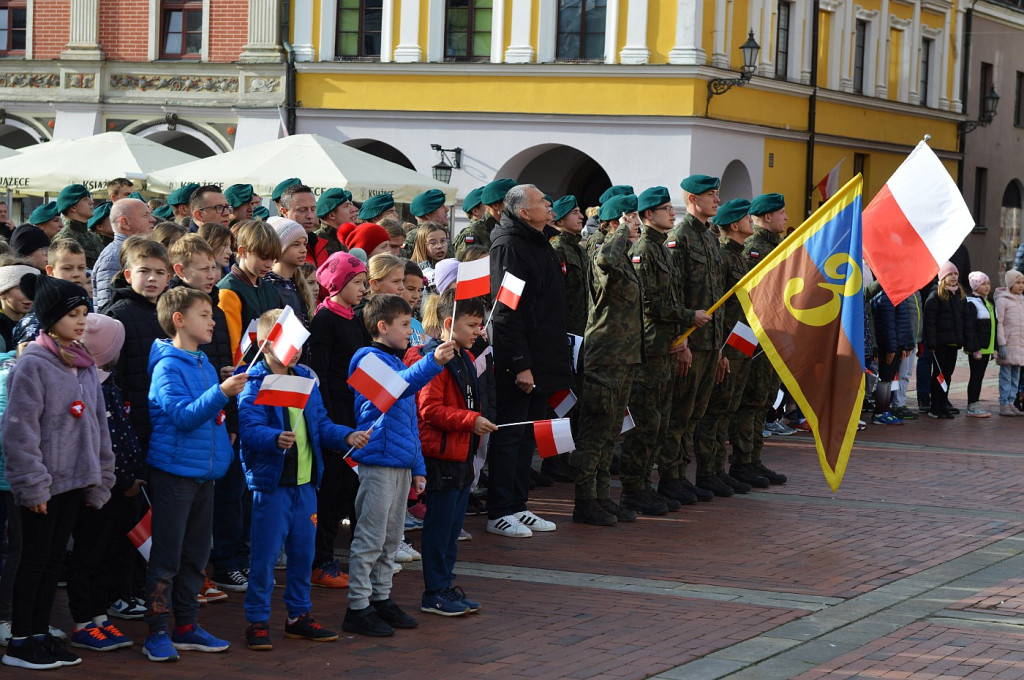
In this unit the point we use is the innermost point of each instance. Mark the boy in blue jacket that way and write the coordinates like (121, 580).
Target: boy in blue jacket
(387, 465)
(281, 456)
(188, 449)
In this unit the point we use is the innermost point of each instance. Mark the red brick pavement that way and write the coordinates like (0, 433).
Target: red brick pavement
(1005, 599)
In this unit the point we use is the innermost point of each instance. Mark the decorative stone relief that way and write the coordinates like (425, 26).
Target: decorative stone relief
(80, 80)
(125, 81)
(46, 80)
(263, 84)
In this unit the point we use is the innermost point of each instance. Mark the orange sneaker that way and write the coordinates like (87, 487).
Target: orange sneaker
(329, 575)
(210, 593)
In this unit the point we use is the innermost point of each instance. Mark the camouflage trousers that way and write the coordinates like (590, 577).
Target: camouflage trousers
(651, 402)
(603, 402)
(747, 425)
(690, 396)
(713, 431)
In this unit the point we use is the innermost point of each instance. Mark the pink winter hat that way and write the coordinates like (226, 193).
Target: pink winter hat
(1011, 276)
(977, 279)
(947, 268)
(103, 337)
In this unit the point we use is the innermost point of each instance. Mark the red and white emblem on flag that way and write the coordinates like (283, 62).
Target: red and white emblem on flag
(288, 391)
(562, 402)
(553, 437)
(141, 534)
(474, 279)
(378, 382)
(511, 290)
(287, 336)
(742, 338)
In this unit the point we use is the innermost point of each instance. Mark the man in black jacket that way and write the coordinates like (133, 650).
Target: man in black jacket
(531, 355)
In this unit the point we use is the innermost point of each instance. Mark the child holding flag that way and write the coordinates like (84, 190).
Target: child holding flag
(450, 424)
(388, 463)
(281, 433)
(945, 332)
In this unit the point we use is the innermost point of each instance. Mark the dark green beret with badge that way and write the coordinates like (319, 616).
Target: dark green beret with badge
(70, 195)
(376, 205)
(472, 199)
(616, 206)
(731, 211)
(616, 190)
(563, 206)
(45, 213)
(275, 195)
(330, 200)
(427, 202)
(652, 198)
(182, 194)
(766, 203)
(698, 184)
(496, 190)
(238, 194)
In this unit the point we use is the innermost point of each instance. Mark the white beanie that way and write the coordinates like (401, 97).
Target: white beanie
(10, 275)
(289, 231)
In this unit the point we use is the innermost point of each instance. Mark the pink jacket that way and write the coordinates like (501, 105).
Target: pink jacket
(1010, 329)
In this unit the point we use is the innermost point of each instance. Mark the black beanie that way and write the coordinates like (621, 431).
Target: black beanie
(52, 298)
(27, 239)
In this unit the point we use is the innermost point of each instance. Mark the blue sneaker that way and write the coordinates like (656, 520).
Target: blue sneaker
(158, 647)
(198, 640)
(461, 594)
(92, 637)
(444, 603)
(886, 419)
(412, 522)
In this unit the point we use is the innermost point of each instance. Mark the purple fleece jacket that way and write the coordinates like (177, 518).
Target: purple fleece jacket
(49, 450)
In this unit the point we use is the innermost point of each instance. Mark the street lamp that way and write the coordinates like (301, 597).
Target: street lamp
(991, 101)
(749, 50)
(443, 170)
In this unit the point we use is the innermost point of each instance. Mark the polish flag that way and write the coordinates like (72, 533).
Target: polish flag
(914, 224)
(553, 437)
(141, 534)
(287, 336)
(474, 279)
(289, 391)
(829, 184)
(248, 338)
(511, 290)
(742, 338)
(352, 464)
(562, 402)
(378, 382)
(627, 423)
(942, 382)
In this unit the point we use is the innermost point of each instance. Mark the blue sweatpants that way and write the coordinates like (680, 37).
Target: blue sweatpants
(440, 541)
(283, 516)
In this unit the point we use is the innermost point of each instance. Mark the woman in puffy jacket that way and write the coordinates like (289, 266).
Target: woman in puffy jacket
(1010, 339)
(944, 334)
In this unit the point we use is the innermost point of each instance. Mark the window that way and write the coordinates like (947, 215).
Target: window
(182, 29)
(980, 196)
(782, 41)
(985, 84)
(359, 23)
(860, 165)
(581, 26)
(467, 34)
(13, 24)
(926, 65)
(859, 51)
(1018, 110)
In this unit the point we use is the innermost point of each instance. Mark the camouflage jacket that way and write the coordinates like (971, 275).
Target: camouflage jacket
(330, 235)
(759, 244)
(615, 324)
(91, 243)
(477, 233)
(664, 315)
(576, 268)
(734, 267)
(695, 254)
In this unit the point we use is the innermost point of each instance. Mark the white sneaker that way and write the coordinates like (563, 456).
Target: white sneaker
(535, 523)
(5, 633)
(510, 526)
(398, 568)
(58, 633)
(406, 553)
(465, 535)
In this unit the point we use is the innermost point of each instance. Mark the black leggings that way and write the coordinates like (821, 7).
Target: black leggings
(944, 359)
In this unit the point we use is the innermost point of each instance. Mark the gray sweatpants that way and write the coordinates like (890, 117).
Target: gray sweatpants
(380, 521)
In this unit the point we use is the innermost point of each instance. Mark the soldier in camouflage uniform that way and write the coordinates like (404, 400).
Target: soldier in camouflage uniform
(479, 231)
(664, 317)
(569, 222)
(76, 205)
(610, 224)
(769, 215)
(334, 208)
(712, 432)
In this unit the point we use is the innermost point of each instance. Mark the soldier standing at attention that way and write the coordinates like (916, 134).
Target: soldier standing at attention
(471, 204)
(178, 200)
(75, 203)
(769, 215)
(695, 255)
(376, 208)
(478, 233)
(426, 207)
(334, 208)
(239, 197)
(607, 226)
(276, 194)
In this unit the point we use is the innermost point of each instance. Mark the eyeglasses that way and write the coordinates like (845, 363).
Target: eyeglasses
(222, 209)
(434, 244)
(664, 207)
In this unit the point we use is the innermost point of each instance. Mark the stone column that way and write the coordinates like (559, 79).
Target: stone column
(409, 49)
(520, 50)
(635, 50)
(719, 57)
(264, 33)
(689, 25)
(83, 33)
(302, 31)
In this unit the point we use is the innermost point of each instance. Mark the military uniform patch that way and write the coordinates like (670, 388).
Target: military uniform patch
(470, 239)
(754, 254)
(636, 259)
(670, 244)
(563, 268)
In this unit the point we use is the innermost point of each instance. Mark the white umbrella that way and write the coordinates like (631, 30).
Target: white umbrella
(320, 162)
(7, 153)
(91, 161)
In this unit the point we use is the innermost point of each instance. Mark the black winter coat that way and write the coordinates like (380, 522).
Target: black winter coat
(945, 322)
(533, 335)
(333, 341)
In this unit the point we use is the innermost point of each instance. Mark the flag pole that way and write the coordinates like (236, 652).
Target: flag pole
(259, 351)
(376, 423)
(525, 422)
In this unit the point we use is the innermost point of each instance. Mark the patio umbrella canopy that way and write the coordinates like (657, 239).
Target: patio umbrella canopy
(7, 153)
(91, 161)
(320, 162)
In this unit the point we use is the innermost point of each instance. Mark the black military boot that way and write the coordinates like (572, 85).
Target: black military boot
(589, 511)
(745, 472)
(557, 469)
(733, 483)
(641, 502)
(672, 488)
(671, 503)
(703, 495)
(771, 475)
(621, 513)
(713, 484)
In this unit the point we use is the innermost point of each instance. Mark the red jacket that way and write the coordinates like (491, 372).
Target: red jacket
(316, 253)
(445, 423)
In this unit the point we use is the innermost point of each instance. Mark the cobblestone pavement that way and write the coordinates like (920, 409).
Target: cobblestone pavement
(914, 569)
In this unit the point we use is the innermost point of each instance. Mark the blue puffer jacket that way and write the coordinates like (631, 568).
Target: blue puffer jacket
(260, 426)
(185, 403)
(396, 441)
(893, 332)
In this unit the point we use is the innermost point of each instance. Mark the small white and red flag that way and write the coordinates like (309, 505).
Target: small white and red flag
(141, 534)
(287, 336)
(942, 382)
(829, 184)
(248, 338)
(562, 402)
(742, 338)
(627, 423)
(378, 382)
(511, 290)
(289, 391)
(352, 464)
(474, 279)
(553, 437)
(914, 224)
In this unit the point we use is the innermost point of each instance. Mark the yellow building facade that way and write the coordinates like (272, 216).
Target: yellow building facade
(574, 95)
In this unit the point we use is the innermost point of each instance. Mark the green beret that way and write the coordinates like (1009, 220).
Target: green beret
(652, 198)
(330, 200)
(616, 190)
(496, 190)
(563, 206)
(279, 189)
(376, 205)
(261, 212)
(766, 203)
(44, 213)
(70, 195)
(164, 212)
(238, 194)
(614, 207)
(100, 213)
(547, 197)
(698, 184)
(472, 199)
(427, 202)
(135, 195)
(182, 194)
(731, 211)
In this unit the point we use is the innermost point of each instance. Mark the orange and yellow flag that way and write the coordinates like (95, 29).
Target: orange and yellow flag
(805, 302)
